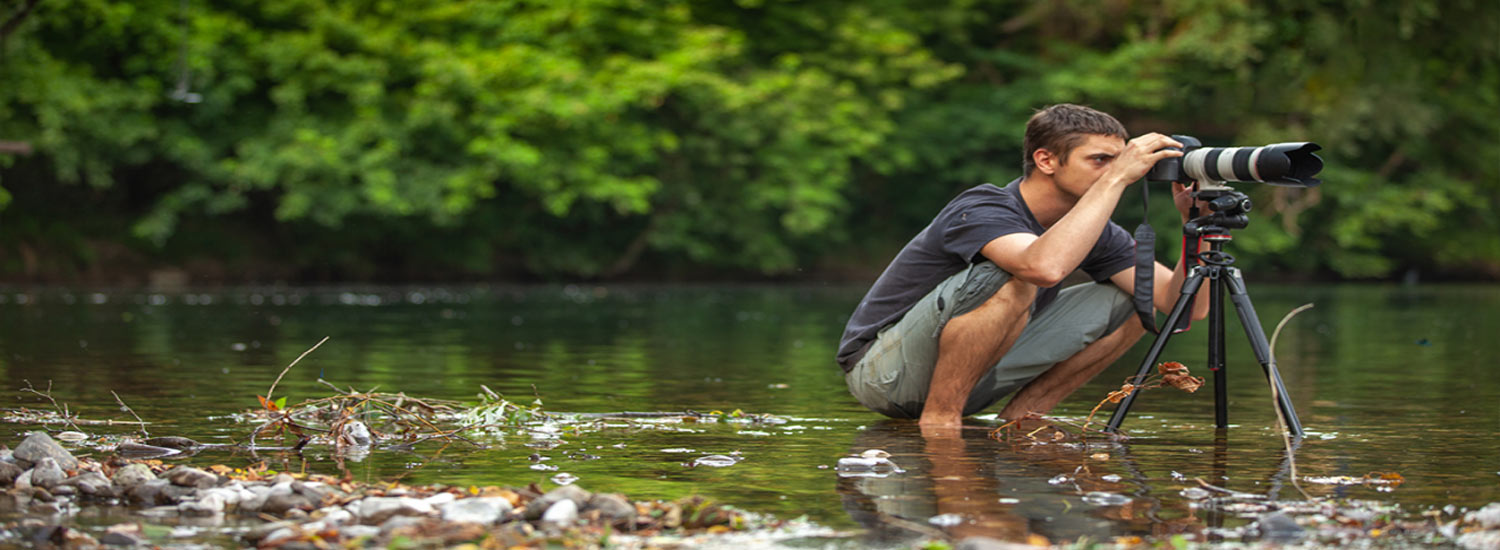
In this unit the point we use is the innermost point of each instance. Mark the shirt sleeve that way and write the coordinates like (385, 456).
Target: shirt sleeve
(1113, 253)
(970, 229)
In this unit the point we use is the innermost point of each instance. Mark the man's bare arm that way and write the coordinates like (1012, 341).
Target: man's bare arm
(1046, 259)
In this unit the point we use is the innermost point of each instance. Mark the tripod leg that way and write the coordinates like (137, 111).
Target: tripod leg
(1257, 335)
(1216, 360)
(1184, 302)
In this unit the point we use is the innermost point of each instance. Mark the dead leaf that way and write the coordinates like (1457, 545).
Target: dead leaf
(1183, 382)
(1121, 394)
(1172, 367)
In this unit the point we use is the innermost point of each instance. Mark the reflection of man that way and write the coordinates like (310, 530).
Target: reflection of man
(969, 311)
(983, 485)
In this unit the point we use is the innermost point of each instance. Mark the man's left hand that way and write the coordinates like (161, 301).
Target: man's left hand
(1182, 196)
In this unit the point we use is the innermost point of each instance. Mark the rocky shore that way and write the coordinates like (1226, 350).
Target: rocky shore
(44, 482)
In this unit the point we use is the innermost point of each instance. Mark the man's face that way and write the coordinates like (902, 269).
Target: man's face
(1086, 163)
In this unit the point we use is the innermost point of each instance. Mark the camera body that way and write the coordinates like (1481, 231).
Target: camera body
(1290, 164)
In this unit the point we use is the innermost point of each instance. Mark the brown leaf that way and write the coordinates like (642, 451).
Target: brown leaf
(1121, 394)
(1172, 367)
(1183, 382)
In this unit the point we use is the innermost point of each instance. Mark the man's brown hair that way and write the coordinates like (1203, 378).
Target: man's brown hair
(1059, 128)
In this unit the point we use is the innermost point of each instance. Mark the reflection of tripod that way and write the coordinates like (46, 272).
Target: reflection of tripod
(1227, 211)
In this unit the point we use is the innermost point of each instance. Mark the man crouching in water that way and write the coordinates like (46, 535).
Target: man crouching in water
(969, 310)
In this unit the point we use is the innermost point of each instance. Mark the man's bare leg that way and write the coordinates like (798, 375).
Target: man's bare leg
(1049, 389)
(970, 345)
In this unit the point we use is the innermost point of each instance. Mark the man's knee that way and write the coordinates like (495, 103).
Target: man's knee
(992, 288)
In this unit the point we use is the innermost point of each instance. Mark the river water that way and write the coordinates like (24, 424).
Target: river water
(1387, 380)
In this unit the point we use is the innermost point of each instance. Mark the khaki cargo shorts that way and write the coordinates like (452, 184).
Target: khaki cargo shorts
(893, 376)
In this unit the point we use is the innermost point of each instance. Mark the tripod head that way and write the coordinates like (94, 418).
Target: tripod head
(1227, 209)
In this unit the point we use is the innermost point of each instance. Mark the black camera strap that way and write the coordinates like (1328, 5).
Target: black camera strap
(1145, 263)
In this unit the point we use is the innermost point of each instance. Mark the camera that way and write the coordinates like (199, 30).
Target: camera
(1286, 164)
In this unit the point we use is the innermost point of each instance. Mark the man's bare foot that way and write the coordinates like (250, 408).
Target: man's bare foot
(940, 431)
(940, 425)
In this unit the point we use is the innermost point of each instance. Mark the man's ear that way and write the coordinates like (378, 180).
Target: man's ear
(1045, 161)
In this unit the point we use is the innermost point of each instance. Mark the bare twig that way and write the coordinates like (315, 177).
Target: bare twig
(289, 367)
(1236, 494)
(61, 408)
(1281, 424)
(127, 408)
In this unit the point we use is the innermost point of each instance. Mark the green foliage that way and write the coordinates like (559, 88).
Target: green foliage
(599, 137)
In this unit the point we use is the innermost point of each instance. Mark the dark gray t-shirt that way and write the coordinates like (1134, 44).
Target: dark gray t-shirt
(953, 241)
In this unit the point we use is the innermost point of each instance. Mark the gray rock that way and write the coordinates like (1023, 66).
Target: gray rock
(47, 474)
(376, 510)
(207, 504)
(279, 504)
(562, 514)
(1479, 540)
(986, 543)
(1279, 527)
(440, 499)
(130, 476)
(314, 491)
(257, 498)
(23, 481)
(148, 493)
(1489, 516)
(278, 535)
(540, 505)
(64, 490)
(333, 515)
(261, 533)
(359, 531)
(400, 522)
(612, 508)
(39, 445)
(184, 476)
(8, 473)
(121, 538)
(481, 510)
(92, 484)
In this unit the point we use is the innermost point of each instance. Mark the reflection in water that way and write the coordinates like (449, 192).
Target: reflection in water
(965, 484)
(1387, 379)
(981, 486)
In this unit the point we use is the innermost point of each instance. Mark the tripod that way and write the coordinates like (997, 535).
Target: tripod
(1227, 211)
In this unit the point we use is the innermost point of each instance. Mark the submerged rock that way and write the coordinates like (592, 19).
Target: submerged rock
(39, 445)
(1279, 527)
(172, 442)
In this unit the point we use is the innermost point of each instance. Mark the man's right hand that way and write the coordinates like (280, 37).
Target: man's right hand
(1139, 155)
